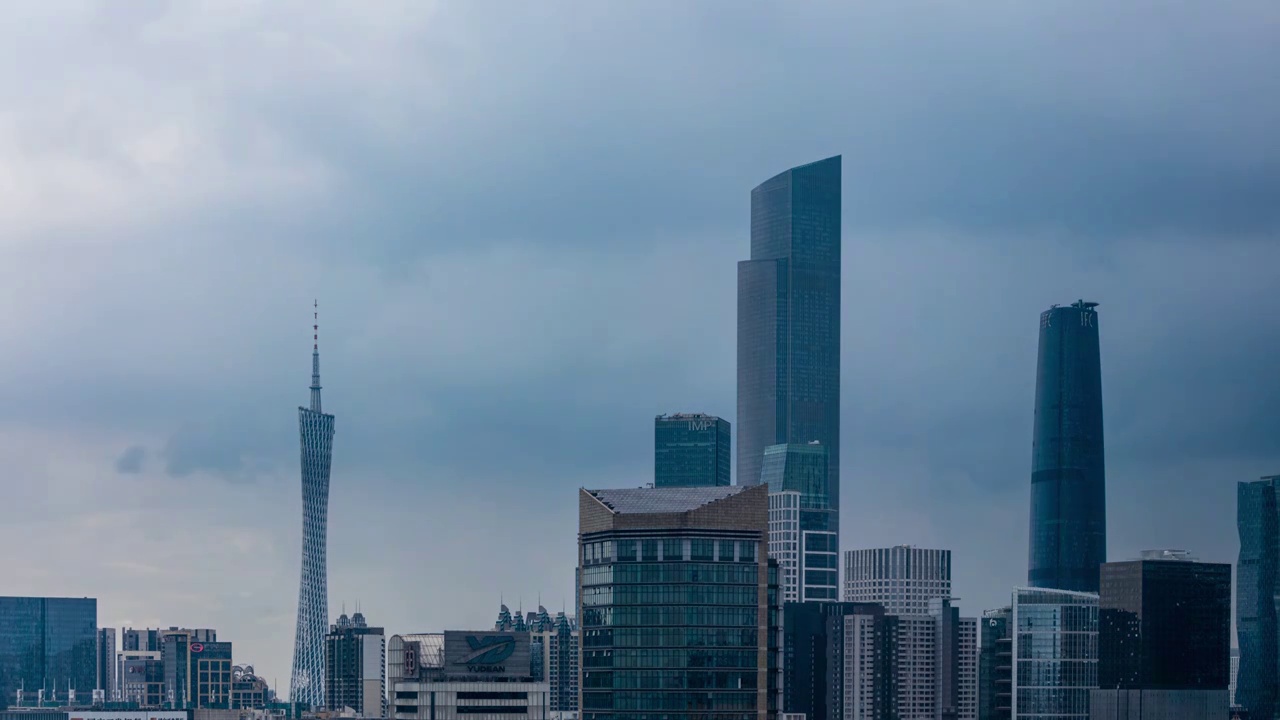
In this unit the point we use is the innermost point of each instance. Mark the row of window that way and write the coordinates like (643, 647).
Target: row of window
(651, 658)
(669, 550)
(671, 595)
(674, 701)
(672, 680)
(671, 573)
(671, 637)
(672, 615)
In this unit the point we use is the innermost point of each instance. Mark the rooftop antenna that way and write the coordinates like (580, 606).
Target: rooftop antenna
(315, 356)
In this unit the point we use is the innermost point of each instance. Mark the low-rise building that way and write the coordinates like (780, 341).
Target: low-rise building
(458, 675)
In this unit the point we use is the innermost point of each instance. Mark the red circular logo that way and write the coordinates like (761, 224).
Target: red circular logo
(197, 647)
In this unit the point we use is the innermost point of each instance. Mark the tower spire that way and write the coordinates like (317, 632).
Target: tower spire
(315, 357)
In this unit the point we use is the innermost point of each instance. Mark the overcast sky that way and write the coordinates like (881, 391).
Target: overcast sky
(522, 221)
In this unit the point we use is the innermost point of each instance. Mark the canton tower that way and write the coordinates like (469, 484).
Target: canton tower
(316, 432)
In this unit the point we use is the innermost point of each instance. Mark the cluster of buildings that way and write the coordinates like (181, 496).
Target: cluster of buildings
(698, 598)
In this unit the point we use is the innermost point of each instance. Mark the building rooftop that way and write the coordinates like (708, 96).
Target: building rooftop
(642, 501)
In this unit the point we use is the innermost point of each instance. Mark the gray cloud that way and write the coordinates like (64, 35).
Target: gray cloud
(523, 228)
(130, 461)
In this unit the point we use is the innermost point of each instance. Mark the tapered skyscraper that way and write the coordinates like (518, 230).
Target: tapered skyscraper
(789, 322)
(1068, 471)
(316, 431)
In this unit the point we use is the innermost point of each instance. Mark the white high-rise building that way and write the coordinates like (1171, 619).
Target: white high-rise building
(903, 579)
(968, 669)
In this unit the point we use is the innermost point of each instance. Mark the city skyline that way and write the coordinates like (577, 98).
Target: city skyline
(526, 229)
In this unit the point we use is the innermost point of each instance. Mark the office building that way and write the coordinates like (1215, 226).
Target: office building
(1257, 585)
(462, 675)
(197, 673)
(146, 640)
(49, 646)
(839, 661)
(676, 587)
(306, 685)
(802, 533)
(355, 667)
(248, 691)
(141, 675)
(968, 691)
(1053, 684)
(690, 450)
(1164, 639)
(105, 661)
(995, 665)
(903, 578)
(789, 321)
(1068, 467)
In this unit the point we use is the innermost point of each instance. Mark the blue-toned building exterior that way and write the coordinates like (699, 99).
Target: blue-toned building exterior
(1257, 587)
(307, 683)
(1068, 541)
(802, 525)
(679, 617)
(789, 320)
(1055, 653)
(691, 450)
(48, 644)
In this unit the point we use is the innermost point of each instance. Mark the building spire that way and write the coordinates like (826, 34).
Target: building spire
(315, 358)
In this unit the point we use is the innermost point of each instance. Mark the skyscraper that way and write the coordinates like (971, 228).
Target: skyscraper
(995, 666)
(678, 616)
(1164, 639)
(316, 432)
(1257, 586)
(1054, 653)
(840, 661)
(105, 659)
(789, 320)
(1068, 473)
(355, 667)
(48, 644)
(690, 450)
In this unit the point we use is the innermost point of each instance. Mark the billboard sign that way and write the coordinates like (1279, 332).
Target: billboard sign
(486, 654)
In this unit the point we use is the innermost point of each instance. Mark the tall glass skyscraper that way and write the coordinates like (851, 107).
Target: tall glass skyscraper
(802, 531)
(690, 450)
(789, 320)
(316, 431)
(48, 644)
(1257, 587)
(1055, 653)
(1068, 472)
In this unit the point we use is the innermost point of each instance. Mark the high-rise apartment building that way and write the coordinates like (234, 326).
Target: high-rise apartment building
(914, 584)
(355, 667)
(1164, 639)
(1055, 653)
(968, 690)
(902, 578)
(679, 618)
(802, 533)
(306, 685)
(995, 665)
(1235, 670)
(1068, 466)
(1257, 586)
(105, 662)
(690, 450)
(49, 645)
(789, 321)
(839, 661)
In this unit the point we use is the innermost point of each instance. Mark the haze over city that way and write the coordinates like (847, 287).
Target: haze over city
(521, 224)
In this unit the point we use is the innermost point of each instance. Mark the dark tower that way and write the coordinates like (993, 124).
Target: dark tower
(1257, 587)
(789, 320)
(1068, 475)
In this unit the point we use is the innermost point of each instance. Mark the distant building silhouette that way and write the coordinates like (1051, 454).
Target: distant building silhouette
(691, 450)
(1257, 586)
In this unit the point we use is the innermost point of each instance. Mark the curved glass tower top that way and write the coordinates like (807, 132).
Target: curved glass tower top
(789, 320)
(1068, 473)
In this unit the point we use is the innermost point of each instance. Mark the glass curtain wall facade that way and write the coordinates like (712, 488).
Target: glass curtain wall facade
(676, 620)
(789, 320)
(48, 644)
(690, 450)
(1055, 651)
(995, 666)
(1068, 469)
(1257, 587)
(802, 530)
